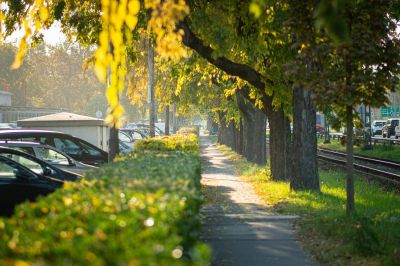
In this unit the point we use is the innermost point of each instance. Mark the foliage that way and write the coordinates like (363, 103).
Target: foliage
(52, 76)
(108, 23)
(370, 236)
(189, 130)
(140, 210)
(177, 142)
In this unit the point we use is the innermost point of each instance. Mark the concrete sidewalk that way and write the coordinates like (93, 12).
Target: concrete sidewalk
(236, 225)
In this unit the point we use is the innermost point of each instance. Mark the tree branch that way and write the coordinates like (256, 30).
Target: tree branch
(242, 71)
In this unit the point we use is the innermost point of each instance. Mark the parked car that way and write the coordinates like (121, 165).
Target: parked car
(145, 129)
(77, 148)
(388, 129)
(18, 184)
(49, 154)
(377, 127)
(38, 166)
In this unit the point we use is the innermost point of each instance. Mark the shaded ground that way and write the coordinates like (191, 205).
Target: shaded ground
(238, 227)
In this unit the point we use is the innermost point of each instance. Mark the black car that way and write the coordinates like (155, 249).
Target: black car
(19, 184)
(388, 129)
(38, 166)
(75, 147)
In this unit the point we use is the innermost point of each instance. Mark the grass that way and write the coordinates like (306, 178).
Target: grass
(379, 151)
(369, 237)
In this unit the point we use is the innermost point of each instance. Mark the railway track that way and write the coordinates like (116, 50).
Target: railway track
(384, 170)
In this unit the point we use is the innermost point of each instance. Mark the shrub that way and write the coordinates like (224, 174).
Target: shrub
(189, 130)
(177, 142)
(140, 210)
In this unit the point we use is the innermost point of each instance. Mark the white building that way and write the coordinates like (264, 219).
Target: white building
(91, 129)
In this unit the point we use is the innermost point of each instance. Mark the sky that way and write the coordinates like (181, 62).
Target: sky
(52, 36)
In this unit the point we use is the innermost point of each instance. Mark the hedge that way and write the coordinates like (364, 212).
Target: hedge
(177, 142)
(189, 130)
(142, 209)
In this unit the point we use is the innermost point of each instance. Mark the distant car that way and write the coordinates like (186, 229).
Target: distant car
(77, 148)
(388, 129)
(18, 184)
(49, 154)
(145, 129)
(377, 127)
(38, 166)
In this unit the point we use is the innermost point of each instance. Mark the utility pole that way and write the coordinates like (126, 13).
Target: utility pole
(151, 87)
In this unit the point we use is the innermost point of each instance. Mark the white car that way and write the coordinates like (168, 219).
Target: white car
(49, 154)
(377, 127)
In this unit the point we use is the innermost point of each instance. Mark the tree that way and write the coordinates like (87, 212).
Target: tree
(347, 71)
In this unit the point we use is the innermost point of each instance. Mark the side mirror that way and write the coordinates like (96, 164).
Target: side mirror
(48, 171)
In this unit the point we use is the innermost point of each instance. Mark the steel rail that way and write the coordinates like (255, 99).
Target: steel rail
(383, 175)
(388, 163)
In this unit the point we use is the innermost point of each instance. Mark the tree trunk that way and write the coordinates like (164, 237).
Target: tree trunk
(239, 138)
(174, 119)
(349, 159)
(226, 132)
(305, 168)
(113, 144)
(166, 129)
(254, 129)
(151, 88)
(280, 145)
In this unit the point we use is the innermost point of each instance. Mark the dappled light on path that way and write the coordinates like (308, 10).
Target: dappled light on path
(238, 227)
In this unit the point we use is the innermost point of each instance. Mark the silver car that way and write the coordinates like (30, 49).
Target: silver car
(49, 154)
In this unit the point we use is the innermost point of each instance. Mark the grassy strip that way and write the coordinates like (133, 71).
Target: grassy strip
(140, 210)
(379, 151)
(369, 237)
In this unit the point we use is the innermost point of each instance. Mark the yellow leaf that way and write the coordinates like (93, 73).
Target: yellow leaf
(18, 60)
(131, 22)
(255, 10)
(100, 71)
(134, 7)
(43, 13)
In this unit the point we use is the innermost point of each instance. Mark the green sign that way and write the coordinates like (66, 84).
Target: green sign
(390, 111)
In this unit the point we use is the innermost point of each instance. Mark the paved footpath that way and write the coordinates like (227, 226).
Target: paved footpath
(236, 225)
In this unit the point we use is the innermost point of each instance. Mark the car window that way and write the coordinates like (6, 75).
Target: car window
(136, 135)
(52, 156)
(92, 151)
(6, 171)
(32, 165)
(123, 137)
(28, 150)
(67, 146)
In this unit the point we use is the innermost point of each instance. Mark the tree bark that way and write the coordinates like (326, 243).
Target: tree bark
(151, 87)
(226, 132)
(280, 145)
(166, 129)
(253, 131)
(305, 168)
(349, 161)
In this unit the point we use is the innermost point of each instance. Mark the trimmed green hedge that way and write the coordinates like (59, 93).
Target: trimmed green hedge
(142, 209)
(177, 142)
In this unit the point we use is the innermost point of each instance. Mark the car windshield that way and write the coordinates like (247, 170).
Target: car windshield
(378, 124)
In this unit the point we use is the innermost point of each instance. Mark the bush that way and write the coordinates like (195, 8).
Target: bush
(178, 142)
(140, 210)
(189, 130)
